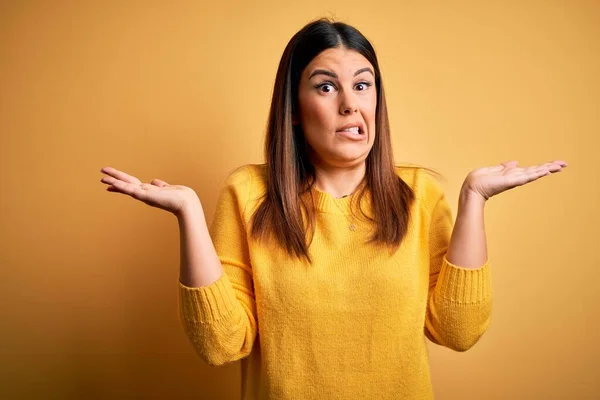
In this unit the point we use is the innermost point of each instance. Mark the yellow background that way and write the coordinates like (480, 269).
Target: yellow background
(180, 91)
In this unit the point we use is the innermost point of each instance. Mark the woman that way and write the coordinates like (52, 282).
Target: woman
(327, 266)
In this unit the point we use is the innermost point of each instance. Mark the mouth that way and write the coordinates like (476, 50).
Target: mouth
(356, 130)
(355, 133)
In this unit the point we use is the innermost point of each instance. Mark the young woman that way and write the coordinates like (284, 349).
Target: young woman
(327, 266)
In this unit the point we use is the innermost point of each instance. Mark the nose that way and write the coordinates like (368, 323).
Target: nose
(348, 104)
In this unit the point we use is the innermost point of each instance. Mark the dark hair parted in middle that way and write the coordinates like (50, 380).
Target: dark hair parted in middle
(286, 212)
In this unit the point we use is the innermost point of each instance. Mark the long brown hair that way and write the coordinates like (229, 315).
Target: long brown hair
(285, 212)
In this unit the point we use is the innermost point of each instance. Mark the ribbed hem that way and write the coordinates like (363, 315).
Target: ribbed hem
(463, 285)
(207, 304)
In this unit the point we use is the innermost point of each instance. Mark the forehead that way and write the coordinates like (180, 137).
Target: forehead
(339, 60)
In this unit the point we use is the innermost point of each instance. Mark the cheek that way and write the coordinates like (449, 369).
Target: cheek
(315, 114)
(370, 108)
(370, 103)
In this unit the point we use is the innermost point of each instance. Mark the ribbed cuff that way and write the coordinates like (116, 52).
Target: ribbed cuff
(207, 304)
(463, 285)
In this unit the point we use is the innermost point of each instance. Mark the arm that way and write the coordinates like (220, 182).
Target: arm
(199, 263)
(216, 294)
(460, 297)
(468, 246)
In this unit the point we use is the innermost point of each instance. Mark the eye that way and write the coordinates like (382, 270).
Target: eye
(363, 86)
(328, 85)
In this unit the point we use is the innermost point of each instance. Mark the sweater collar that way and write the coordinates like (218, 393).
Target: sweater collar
(325, 202)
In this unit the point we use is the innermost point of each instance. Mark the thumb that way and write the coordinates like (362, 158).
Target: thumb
(510, 164)
(503, 166)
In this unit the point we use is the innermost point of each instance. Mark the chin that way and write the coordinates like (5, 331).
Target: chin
(351, 159)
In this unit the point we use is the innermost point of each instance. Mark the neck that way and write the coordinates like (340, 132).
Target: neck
(339, 181)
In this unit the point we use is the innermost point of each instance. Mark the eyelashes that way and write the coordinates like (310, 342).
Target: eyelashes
(327, 83)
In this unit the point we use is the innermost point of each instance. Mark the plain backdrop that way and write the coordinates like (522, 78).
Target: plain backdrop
(180, 91)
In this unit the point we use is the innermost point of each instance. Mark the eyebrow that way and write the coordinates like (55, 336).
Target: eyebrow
(333, 75)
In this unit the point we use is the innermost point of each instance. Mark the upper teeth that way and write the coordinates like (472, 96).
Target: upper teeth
(354, 129)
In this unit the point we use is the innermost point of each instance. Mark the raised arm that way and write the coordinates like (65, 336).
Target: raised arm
(460, 298)
(468, 244)
(216, 297)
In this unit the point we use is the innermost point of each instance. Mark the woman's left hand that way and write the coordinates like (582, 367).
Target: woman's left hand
(490, 181)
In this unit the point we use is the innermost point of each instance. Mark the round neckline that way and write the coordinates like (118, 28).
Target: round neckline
(325, 201)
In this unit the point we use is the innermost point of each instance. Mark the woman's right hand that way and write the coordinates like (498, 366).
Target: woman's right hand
(172, 198)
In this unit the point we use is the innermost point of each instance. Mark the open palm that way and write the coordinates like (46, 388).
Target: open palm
(490, 181)
(157, 193)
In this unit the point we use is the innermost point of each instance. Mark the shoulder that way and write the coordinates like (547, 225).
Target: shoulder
(246, 174)
(426, 184)
(247, 182)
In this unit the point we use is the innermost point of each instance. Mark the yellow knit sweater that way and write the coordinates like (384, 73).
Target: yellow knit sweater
(350, 326)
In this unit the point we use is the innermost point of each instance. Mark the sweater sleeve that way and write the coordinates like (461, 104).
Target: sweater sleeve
(220, 319)
(460, 300)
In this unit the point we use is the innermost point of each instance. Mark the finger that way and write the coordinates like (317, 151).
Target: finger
(497, 168)
(159, 183)
(134, 190)
(109, 180)
(554, 166)
(510, 167)
(544, 168)
(548, 167)
(510, 164)
(525, 176)
(120, 175)
(513, 170)
(533, 173)
(557, 165)
(517, 180)
(562, 163)
(534, 170)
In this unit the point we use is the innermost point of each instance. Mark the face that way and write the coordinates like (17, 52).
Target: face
(337, 95)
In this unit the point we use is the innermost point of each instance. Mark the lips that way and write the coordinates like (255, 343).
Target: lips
(355, 124)
(357, 137)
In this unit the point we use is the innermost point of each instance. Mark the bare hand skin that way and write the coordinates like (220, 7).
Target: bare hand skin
(490, 181)
(158, 193)
(468, 247)
(199, 264)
